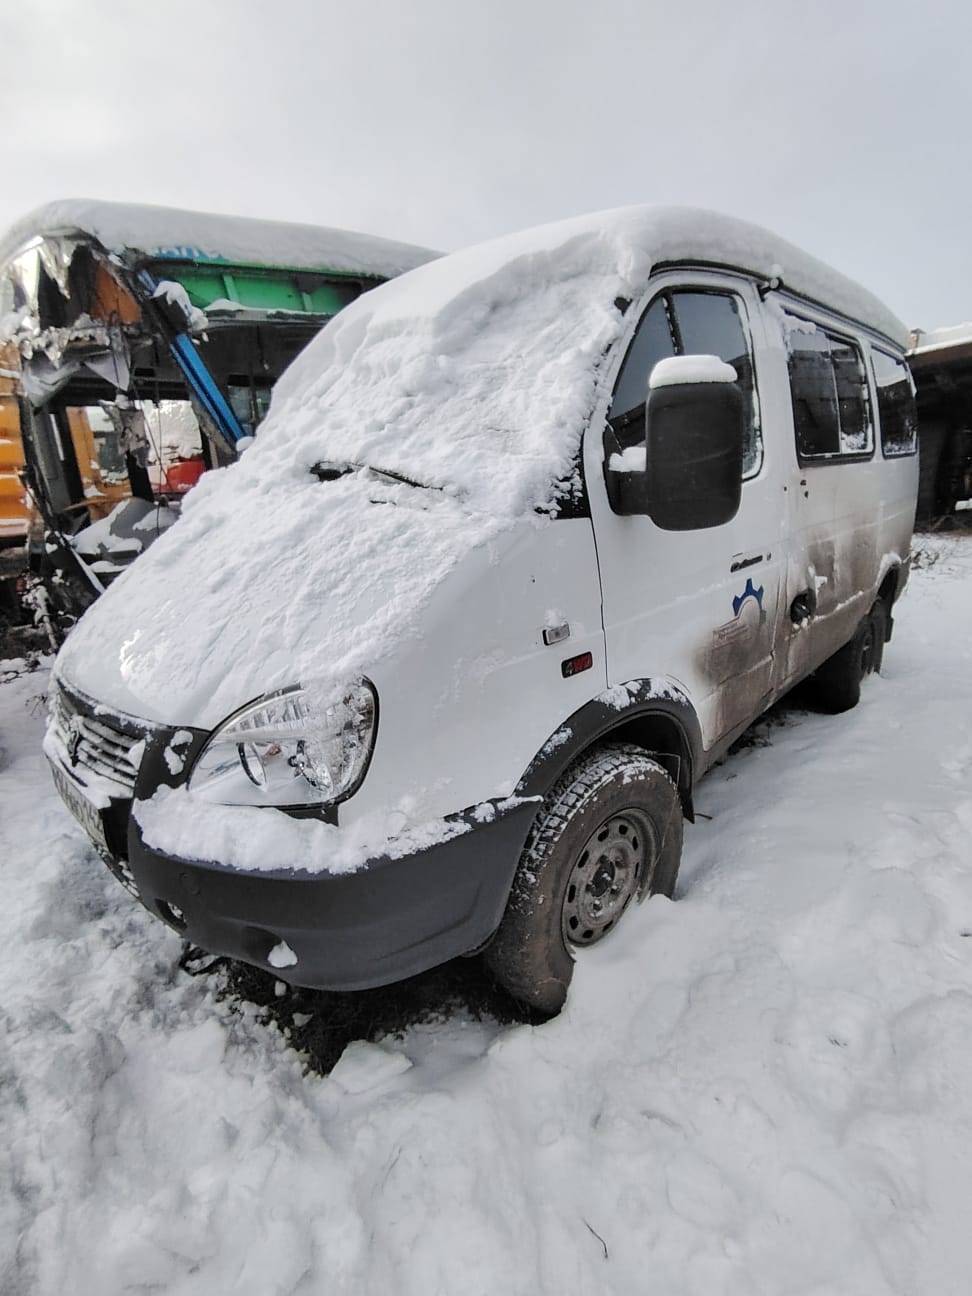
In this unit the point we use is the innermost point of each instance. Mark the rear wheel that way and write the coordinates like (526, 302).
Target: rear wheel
(610, 832)
(837, 684)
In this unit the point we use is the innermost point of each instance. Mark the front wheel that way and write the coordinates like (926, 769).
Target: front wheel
(609, 832)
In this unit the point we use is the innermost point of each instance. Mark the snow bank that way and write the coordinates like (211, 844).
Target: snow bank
(168, 232)
(473, 378)
(762, 1088)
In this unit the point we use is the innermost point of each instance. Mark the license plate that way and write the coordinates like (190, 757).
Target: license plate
(87, 815)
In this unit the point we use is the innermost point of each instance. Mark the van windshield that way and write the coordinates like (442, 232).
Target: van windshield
(474, 375)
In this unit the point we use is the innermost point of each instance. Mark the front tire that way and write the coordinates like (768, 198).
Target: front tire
(609, 832)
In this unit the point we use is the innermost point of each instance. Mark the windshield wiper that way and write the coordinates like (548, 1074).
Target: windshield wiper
(326, 471)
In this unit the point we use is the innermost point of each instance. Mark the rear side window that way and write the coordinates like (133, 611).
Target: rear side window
(687, 322)
(853, 403)
(896, 405)
(828, 390)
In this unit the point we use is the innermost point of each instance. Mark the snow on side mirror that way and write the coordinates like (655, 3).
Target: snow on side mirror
(687, 474)
(695, 428)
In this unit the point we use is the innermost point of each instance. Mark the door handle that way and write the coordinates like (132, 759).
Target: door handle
(743, 561)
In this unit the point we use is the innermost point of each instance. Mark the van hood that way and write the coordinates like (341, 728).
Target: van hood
(262, 585)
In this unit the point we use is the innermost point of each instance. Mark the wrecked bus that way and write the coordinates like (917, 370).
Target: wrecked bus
(148, 341)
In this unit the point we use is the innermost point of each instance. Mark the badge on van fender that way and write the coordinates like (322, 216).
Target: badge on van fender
(732, 643)
(749, 593)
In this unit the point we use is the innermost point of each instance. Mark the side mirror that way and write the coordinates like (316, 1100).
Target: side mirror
(688, 474)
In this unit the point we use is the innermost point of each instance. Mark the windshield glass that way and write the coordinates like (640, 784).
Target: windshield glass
(474, 374)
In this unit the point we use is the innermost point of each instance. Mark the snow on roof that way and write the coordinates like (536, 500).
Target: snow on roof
(473, 377)
(170, 233)
(940, 339)
(497, 348)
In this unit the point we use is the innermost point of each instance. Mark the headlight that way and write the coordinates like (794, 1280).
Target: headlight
(279, 752)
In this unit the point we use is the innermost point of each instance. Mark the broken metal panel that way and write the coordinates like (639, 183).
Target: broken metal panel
(56, 255)
(64, 317)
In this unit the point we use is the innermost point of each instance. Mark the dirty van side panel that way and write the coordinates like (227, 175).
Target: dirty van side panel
(848, 518)
(834, 556)
(898, 495)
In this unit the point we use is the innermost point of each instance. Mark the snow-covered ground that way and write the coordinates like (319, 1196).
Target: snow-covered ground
(762, 1088)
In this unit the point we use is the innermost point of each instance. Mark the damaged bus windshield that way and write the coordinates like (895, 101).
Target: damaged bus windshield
(149, 342)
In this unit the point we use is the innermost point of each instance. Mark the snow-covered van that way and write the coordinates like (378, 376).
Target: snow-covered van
(529, 537)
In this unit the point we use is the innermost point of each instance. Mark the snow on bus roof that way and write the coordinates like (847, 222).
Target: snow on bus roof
(169, 233)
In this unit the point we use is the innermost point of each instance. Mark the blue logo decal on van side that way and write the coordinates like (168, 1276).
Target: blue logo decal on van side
(748, 592)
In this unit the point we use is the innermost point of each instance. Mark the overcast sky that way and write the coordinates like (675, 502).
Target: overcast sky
(843, 126)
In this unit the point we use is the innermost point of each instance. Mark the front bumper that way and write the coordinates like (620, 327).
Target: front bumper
(389, 920)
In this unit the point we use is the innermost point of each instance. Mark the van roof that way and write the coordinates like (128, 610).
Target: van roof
(498, 348)
(169, 233)
(688, 235)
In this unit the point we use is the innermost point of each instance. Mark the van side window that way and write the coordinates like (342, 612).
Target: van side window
(896, 405)
(710, 323)
(653, 341)
(853, 404)
(828, 390)
(813, 394)
(686, 322)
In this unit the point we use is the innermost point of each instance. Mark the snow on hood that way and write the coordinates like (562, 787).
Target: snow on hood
(473, 377)
(168, 232)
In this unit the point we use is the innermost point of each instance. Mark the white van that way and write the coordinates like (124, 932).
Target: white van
(529, 536)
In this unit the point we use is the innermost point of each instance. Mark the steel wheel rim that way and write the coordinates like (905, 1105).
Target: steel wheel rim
(614, 865)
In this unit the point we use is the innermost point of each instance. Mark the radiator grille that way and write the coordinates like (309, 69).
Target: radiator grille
(94, 744)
